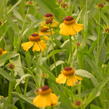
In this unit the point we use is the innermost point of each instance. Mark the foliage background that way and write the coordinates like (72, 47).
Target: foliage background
(18, 21)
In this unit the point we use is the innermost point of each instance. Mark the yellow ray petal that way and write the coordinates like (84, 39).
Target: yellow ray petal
(42, 101)
(78, 78)
(61, 79)
(4, 52)
(67, 30)
(36, 47)
(54, 24)
(27, 45)
(54, 99)
(46, 38)
(77, 27)
(42, 45)
(71, 80)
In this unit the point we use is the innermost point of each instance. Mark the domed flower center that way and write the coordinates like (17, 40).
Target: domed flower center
(11, 66)
(48, 15)
(78, 103)
(29, 2)
(49, 18)
(69, 20)
(68, 71)
(1, 51)
(44, 90)
(34, 37)
(107, 30)
(100, 5)
(49, 21)
(45, 29)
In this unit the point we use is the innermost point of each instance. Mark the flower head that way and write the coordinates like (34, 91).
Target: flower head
(64, 5)
(45, 98)
(11, 66)
(107, 0)
(100, 5)
(106, 29)
(29, 2)
(49, 20)
(77, 103)
(69, 26)
(48, 16)
(59, 1)
(46, 31)
(36, 42)
(68, 76)
(2, 52)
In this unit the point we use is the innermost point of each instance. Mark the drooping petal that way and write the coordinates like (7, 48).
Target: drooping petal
(54, 24)
(54, 99)
(36, 47)
(46, 37)
(42, 45)
(67, 29)
(61, 79)
(27, 45)
(78, 77)
(71, 80)
(77, 27)
(4, 52)
(42, 101)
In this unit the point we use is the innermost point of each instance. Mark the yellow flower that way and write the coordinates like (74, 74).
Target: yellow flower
(45, 98)
(35, 42)
(70, 27)
(49, 21)
(68, 76)
(106, 29)
(45, 31)
(2, 52)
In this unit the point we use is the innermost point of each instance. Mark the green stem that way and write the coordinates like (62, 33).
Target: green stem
(52, 38)
(99, 38)
(21, 102)
(26, 85)
(10, 90)
(70, 52)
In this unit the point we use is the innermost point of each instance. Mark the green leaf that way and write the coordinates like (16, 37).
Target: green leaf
(22, 97)
(18, 65)
(5, 75)
(6, 57)
(54, 52)
(9, 106)
(46, 70)
(22, 79)
(93, 106)
(86, 74)
(51, 7)
(96, 92)
(59, 62)
(14, 6)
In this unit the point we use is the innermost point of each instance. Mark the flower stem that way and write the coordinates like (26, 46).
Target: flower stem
(99, 38)
(26, 85)
(54, 59)
(10, 90)
(70, 52)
